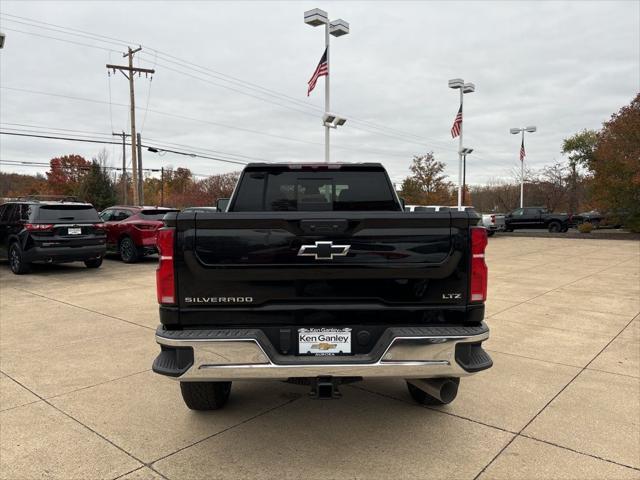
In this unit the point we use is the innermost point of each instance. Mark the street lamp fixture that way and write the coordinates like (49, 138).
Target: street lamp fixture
(337, 28)
(465, 151)
(459, 84)
(328, 118)
(333, 121)
(316, 17)
(515, 131)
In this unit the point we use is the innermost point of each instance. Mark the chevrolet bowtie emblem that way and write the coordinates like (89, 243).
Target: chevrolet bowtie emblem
(323, 250)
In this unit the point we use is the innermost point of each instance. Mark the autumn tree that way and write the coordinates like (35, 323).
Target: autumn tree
(616, 165)
(66, 173)
(218, 186)
(16, 184)
(427, 185)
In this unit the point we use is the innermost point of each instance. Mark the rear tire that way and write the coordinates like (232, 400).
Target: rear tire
(205, 395)
(555, 227)
(128, 250)
(491, 233)
(93, 263)
(423, 398)
(16, 260)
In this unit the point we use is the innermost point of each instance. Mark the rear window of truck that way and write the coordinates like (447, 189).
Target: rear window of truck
(67, 213)
(357, 190)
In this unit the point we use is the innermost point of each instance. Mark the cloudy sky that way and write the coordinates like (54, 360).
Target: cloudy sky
(231, 79)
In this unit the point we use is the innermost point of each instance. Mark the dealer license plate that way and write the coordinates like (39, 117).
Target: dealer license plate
(75, 231)
(324, 341)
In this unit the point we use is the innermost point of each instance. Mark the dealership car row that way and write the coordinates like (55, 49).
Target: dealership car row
(57, 231)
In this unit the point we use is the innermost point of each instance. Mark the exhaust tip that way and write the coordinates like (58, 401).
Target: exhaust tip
(448, 391)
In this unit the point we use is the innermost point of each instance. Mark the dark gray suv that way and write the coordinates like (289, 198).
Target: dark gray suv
(50, 232)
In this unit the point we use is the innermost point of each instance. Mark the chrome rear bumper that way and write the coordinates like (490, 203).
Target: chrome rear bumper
(404, 352)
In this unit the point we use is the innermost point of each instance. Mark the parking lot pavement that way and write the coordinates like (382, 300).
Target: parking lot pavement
(78, 399)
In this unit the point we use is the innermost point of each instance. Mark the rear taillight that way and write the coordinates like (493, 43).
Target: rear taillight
(99, 226)
(165, 281)
(38, 227)
(479, 270)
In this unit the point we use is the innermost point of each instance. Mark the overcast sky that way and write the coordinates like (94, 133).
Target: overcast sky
(562, 66)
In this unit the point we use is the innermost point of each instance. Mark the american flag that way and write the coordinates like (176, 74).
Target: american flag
(322, 70)
(457, 124)
(522, 154)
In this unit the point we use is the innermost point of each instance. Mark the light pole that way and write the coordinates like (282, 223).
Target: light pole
(515, 131)
(458, 83)
(337, 28)
(465, 152)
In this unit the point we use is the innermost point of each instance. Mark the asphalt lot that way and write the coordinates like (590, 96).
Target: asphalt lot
(78, 399)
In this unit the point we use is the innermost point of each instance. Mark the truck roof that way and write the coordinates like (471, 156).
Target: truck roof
(312, 165)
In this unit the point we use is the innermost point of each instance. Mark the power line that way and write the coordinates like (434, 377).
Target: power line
(379, 129)
(80, 33)
(27, 163)
(107, 142)
(219, 124)
(39, 129)
(384, 130)
(60, 39)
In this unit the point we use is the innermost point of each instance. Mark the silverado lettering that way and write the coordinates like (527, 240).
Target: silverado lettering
(218, 299)
(345, 284)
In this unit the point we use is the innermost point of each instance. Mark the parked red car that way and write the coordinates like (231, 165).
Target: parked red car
(131, 231)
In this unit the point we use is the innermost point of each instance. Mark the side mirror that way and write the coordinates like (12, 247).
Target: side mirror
(222, 204)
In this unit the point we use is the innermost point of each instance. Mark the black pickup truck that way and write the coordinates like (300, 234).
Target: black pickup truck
(315, 275)
(536, 217)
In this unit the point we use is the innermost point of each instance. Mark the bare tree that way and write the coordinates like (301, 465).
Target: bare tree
(553, 182)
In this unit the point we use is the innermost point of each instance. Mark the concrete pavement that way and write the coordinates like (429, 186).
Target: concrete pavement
(78, 399)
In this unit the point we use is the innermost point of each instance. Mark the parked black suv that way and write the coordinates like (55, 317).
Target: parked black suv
(50, 232)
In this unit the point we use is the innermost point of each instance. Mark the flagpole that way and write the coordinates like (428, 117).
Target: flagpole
(460, 151)
(337, 28)
(515, 131)
(522, 172)
(458, 83)
(326, 94)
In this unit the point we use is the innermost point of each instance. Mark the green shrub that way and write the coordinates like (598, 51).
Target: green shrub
(585, 227)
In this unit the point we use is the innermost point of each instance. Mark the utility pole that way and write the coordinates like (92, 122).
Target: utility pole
(162, 186)
(123, 179)
(130, 76)
(140, 176)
